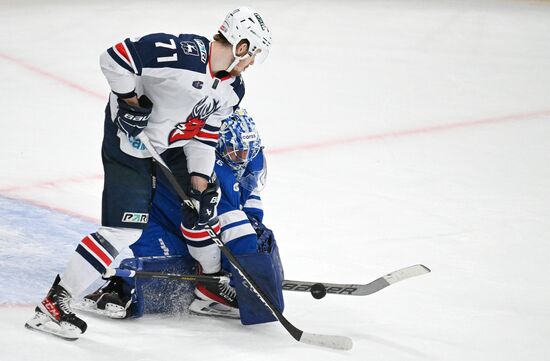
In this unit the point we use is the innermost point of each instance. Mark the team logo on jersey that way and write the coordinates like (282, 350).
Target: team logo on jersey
(202, 49)
(189, 48)
(198, 84)
(195, 121)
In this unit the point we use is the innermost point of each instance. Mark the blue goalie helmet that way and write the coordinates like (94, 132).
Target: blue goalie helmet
(239, 140)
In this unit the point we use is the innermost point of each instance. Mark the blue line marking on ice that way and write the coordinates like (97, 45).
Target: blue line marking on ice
(35, 245)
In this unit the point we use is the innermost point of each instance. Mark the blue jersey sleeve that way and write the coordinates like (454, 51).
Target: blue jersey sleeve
(235, 226)
(252, 181)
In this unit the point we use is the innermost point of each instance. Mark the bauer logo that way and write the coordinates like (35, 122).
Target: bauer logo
(135, 217)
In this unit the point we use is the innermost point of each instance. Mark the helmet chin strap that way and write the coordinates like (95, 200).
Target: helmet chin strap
(233, 64)
(237, 59)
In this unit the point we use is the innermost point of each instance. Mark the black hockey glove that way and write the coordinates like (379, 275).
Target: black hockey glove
(207, 200)
(266, 238)
(132, 119)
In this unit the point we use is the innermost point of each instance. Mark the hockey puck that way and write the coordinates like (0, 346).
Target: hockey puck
(318, 291)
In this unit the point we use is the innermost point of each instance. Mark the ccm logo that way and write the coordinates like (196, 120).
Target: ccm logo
(135, 217)
(249, 137)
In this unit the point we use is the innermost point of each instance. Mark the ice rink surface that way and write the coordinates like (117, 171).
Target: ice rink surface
(397, 132)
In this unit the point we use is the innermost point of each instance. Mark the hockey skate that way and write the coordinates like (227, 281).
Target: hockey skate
(107, 301)
(215, 299)
(53, 315)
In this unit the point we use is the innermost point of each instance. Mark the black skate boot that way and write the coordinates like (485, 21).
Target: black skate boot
(110, 300)
(215, 299)
(53, 315)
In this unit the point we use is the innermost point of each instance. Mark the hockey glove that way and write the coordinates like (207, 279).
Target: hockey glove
(266, 238)
(132, 119)
(207, 201)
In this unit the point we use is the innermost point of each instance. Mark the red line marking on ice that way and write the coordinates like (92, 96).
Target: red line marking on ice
(50, 183)
(408, 132)
(52, 76)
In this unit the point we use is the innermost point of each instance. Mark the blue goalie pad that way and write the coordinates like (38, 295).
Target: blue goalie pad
(153, 295)
(266, 271)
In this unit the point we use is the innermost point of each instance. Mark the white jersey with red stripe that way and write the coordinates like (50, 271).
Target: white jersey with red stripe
(189, 102)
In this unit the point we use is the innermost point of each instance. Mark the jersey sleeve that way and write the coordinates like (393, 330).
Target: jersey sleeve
(201, 149)
(124, 61)
(234, 222)
(253, 206)
(254, 177)
(236, 225)
(121, 64)
(200, 158)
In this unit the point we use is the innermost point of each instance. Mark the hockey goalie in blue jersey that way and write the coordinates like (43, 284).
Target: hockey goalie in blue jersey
(241, 170)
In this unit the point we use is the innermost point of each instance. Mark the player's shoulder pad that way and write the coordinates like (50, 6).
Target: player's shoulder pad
(184, 51)
(239, 89)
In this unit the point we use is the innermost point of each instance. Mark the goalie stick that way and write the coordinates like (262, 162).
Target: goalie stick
(288, 285)
(359, 289)
(121, 272)
(330, 341)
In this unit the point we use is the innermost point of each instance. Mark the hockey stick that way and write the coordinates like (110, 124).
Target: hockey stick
(288, 285)
(356, 289)
(331, 341)
(120, 272)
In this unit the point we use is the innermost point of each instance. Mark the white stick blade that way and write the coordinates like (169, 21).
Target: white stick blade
(405, 273)
(335, 342)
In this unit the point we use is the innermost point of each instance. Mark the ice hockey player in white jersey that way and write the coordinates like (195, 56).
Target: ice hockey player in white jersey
(176, 89)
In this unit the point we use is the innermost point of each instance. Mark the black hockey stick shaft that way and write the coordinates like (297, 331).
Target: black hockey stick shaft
(121, 272)
(338, 342)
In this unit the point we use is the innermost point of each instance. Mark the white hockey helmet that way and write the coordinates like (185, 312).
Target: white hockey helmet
(245, 23)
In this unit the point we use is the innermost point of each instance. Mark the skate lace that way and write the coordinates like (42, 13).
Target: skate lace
(228, 291)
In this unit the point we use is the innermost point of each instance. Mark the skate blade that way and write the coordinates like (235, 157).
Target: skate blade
(212, 308)
(42, 323)
(111, 310)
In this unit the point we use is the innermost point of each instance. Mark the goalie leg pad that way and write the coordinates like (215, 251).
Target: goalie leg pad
(267, 271)
(159, 295)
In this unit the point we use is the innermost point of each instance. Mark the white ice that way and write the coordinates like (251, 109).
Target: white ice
(399, 132)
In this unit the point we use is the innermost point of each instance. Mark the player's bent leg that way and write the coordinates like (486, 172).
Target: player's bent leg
(93, 255)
